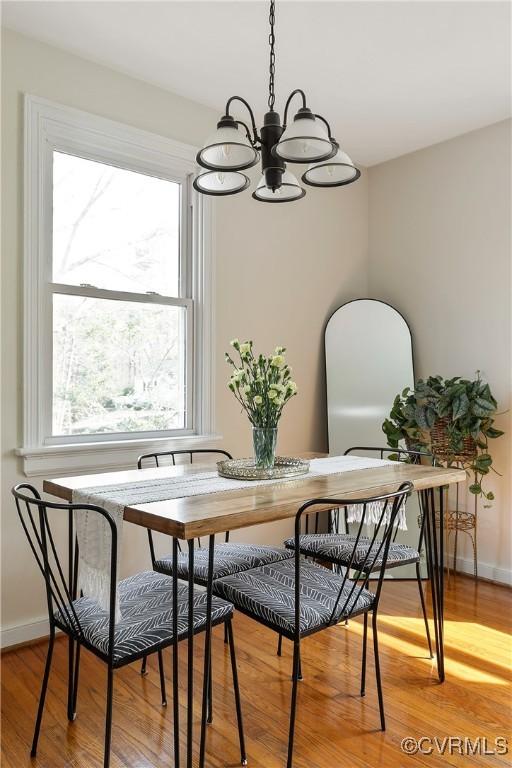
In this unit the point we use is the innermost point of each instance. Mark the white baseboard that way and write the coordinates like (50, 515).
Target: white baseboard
(24, 633)
(485, 570)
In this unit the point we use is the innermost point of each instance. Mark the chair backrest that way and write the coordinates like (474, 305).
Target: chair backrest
(39, 518)
(376, 549)
(402, 454)
(405, 455)
(155, 458)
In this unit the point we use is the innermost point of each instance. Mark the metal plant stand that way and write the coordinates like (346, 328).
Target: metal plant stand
(455, 520)
(460, 521)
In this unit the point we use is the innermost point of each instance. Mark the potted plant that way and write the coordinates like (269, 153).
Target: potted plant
(450, 418)
(262, 385)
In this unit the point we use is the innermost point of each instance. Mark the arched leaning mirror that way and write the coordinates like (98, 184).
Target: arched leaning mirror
(369, 359)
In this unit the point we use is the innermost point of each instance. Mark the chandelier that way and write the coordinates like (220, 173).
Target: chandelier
(234, 147)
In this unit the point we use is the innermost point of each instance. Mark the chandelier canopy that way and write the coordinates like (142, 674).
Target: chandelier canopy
(235, 146)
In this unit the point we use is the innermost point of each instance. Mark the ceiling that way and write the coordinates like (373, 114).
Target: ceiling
(391, 77)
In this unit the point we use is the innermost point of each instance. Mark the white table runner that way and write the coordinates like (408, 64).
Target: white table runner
(93, 531)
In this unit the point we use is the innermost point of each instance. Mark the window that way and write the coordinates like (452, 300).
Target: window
(117, 294)
(119, 317)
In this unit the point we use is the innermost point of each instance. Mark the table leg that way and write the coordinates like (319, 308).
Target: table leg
(190, 660)
(207, 650)
(435, 562)
(175, 665)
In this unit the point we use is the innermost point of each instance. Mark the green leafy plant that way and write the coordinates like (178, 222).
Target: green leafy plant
(462, 410)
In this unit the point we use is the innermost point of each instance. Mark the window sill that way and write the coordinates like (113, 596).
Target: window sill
(80, 458)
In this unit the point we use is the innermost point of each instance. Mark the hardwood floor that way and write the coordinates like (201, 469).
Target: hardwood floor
(335, 727)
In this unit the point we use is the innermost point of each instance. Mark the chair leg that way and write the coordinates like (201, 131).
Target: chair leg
(293, 708)
(377, 671)
(143, 669)
(108, 717)
(209, 717)
(162, 677)
(280, 645)
(75, 681)
(299, 668)
(226, 634)
(424, 610)
(71, 670)
(42, 697)
(363, 665)
(236, 688)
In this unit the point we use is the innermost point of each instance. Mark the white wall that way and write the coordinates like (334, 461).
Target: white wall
(281, 270)
(439, 244)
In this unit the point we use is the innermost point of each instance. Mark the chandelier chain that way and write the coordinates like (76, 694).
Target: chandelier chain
(272, 66)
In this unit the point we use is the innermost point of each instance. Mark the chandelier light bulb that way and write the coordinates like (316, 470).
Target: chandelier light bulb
(219, 183)
(228, 148)
(338, 171)
(287, 190)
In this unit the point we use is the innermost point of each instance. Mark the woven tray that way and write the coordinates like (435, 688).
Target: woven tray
(245, 469)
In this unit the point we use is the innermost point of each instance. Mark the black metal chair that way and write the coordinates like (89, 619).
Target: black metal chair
(336, 548)
(153, 615)
(299, 598)
(229, 557)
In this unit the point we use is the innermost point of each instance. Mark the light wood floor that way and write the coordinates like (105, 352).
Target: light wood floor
(335, 727)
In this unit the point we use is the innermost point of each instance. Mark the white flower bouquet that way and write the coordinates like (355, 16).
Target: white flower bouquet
(262, 385)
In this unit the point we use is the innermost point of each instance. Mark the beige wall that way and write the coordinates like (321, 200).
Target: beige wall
(438, 224)
(439, 244)
(281, 270)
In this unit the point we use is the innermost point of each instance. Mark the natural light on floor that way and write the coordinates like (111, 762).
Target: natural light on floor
(457, 634)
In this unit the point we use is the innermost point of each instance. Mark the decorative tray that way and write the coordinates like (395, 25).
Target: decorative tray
(245, 469)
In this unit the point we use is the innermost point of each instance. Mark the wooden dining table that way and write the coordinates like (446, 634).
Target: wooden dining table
(205, 515)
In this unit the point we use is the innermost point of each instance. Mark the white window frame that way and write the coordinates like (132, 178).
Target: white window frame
(52, 127)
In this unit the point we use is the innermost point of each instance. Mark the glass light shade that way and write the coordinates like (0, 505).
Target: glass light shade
(289, 190)
(304, 141)
(221, 182)
(336, 172)
(227, 149)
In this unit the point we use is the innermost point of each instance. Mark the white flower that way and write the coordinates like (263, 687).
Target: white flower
(237, 377)
(272, 394)
(258, 400)
(277, 361)
(247, 389)
(279, 350)
(291, 387)
(235, 343)
(245, 348)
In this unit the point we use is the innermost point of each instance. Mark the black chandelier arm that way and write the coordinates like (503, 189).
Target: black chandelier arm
(326, 125)
(253, 142)
(248, 106)
(290, 97)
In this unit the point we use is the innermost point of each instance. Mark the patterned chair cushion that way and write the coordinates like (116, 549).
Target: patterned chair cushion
(268, 594)
(146, 606)
(227, 559)
(338, 548)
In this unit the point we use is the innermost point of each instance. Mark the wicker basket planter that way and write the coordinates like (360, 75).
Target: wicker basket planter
(441, 446)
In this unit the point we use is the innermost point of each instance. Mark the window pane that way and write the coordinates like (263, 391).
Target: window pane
(118, 366)
(113, 228)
